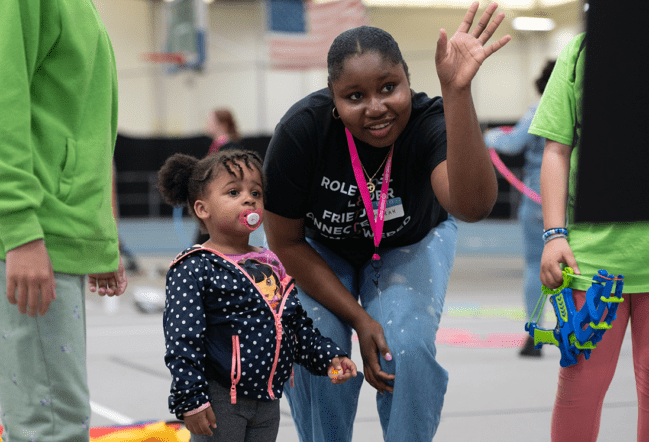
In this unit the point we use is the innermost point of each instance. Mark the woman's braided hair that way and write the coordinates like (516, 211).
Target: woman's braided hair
(183, 178)
(358, 41)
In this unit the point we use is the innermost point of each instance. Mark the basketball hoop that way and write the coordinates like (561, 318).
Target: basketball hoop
(184, 48)
(165, 57)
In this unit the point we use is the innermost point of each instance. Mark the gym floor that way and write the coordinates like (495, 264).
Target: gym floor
(493, 393)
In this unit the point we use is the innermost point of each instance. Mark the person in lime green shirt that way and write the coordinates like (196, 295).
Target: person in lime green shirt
(58, 107)
(619, 248)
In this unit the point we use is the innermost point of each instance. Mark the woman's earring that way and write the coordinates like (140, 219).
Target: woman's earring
(335, 113)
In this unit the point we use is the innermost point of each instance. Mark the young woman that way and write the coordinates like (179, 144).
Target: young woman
(369, 145)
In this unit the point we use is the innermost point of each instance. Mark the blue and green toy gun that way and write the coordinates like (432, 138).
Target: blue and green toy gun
(578, 332)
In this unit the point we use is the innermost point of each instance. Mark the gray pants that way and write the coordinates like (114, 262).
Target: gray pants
(246, 421)
(43, 380)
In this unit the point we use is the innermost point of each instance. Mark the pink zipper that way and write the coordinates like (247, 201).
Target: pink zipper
(235, 373)
(278, 340)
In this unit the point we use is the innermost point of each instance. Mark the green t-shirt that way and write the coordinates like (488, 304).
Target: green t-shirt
(618, 248)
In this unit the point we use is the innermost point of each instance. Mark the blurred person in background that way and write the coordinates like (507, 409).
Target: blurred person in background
(513, 141)
(223, 129)
(225, 135)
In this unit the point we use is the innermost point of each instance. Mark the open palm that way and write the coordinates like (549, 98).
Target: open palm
(459, 58)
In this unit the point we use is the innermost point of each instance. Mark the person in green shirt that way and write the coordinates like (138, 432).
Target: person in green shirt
(58, 107)
(619, 248)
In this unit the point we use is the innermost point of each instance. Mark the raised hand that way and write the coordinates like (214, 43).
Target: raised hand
(459, 58)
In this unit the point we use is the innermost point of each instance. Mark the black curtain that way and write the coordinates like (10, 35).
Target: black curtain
(149, 154)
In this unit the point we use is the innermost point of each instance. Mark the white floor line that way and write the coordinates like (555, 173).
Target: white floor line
(110, 414)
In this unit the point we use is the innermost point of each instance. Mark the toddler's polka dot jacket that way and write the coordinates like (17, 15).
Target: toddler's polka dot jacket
(219, 326)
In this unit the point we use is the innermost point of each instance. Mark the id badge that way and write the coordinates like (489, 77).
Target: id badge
(393, 209)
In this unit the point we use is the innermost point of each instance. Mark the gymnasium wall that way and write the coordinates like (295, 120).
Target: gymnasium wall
(237, 75)
(161, 112)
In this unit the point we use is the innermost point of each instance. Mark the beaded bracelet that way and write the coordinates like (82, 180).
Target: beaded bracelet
(555, 236)
(554, 230)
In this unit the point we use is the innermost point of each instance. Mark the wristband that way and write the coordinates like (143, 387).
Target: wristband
(555, 236)
(554, 230)
(196, 410)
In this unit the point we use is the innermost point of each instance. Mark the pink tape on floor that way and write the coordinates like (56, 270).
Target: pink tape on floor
(463, 338)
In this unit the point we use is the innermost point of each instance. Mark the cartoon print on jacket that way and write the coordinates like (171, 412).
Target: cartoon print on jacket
(267, 281)
(220, 326)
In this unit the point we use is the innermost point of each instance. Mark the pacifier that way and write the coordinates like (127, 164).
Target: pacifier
(251, 218)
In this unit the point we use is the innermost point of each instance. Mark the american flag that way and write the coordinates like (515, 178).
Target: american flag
(324, 21)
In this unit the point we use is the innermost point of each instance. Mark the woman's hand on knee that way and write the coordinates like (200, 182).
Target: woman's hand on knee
(372, 342)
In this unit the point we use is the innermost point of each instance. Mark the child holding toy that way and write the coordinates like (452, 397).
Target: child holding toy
(619, 248)
(233, 324)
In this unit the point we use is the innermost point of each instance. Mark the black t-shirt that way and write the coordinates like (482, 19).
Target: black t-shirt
(309, 175)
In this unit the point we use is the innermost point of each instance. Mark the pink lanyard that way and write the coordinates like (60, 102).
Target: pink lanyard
(375, 224)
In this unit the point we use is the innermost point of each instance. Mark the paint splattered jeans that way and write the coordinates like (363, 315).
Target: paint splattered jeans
(43, 379)
(412, 290)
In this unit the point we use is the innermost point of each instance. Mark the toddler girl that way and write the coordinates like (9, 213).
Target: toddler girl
(233, 324)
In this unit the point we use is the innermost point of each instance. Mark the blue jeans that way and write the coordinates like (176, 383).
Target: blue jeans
(531, 218)
(409, 308)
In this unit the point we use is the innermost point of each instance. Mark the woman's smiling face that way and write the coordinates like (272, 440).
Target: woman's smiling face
(373, 98)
